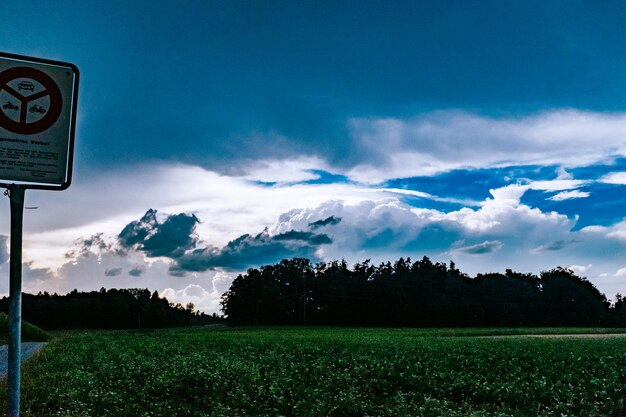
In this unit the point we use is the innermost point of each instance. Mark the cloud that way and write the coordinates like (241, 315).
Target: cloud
(112, 272)
(615, 178)
(170, 238)
(320, 221)
(221, 282)
(96, 244)
(563, 174)
(253, 250)
(174, 237)
(229, 208)
(428, 196)
(580, 269)
(35, 276)
(137, 231)
(503, 230)
(307, 237)
(504, 214)
(556, 185)
(621, 272)
(489, 246)
(100, 260)
(98, 207)
(554, 246)
(370, 226)
(202, 299)
(294, 169)
(331, 220)
(569, 195)
(94, 269)
(136, 271)
(443, 141)
(615, 231)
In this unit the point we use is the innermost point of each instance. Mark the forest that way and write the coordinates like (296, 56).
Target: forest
(414, 294)
(107, 309)
(294, 291)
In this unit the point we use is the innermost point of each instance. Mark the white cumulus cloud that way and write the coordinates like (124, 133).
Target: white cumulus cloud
(569, 195)
(615, 178)
(621, 272)
(580, 269)
(391, 147)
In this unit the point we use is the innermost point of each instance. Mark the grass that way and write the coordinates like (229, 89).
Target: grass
(324, 372)
(30, 332)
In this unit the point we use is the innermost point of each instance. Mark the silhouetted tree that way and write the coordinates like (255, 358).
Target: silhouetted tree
(571, 300)
(407, 293)
(113, 309)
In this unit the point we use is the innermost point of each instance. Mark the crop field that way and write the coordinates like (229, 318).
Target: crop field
(324, 372)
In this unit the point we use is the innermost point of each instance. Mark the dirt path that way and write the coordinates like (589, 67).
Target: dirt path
(560, 336)
(28, 350)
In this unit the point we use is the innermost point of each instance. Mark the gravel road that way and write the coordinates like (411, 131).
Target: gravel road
(28, 350)
(559, 336)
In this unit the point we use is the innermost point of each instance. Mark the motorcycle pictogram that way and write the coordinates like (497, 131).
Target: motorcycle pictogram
(36, 109)
(10, 106)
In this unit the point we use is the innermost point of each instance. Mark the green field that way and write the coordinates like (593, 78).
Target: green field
(30, 333)
(320, 372)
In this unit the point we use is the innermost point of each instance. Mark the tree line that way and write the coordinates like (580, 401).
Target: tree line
(107, 309)
(416, 294)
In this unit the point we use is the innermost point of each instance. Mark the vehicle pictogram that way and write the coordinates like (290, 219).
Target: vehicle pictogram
(10, 106)
(26, 85)
(30, 77)
(36, 109)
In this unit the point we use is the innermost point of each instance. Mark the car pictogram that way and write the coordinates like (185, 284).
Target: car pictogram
(10, 106)
(26, 85)
(36, 109)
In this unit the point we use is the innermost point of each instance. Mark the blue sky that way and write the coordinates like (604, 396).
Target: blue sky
(488, 133)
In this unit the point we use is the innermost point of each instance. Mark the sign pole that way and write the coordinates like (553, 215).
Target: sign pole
(16, 196)
(37, 125)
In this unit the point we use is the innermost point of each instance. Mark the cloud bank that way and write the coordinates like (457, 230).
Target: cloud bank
(444, 141)
(175, 237)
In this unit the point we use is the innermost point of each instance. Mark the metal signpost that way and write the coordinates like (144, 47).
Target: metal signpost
(38, 100)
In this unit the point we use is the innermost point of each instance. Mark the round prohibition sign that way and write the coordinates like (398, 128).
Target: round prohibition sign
(50, 88)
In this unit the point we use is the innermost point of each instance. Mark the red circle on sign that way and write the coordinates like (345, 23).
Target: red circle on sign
(50, 88)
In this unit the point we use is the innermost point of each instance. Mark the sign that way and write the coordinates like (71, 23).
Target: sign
(37, 121)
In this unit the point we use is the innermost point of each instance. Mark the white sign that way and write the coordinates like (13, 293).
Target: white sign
(37, 121)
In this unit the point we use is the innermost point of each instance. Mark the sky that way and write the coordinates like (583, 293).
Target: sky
(217, 136)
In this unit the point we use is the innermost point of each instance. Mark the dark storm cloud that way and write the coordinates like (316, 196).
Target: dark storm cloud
(137, 231)
(176, 238)
(137, 271)
(309, 99)
(177, 271)
(171, 238)
(112, 272)
(307, 237)
(332, 220)
(253, 250)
